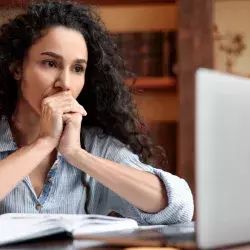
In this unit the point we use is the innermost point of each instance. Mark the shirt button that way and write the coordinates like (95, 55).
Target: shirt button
(50, 180)
(38, 207)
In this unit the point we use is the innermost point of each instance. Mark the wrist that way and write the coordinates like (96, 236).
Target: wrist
(46, 143)
(76, 157)
(72, 154)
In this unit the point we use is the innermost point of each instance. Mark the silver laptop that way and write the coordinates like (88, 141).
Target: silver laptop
(222, 134)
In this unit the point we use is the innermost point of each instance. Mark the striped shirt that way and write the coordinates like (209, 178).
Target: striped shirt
(64, 192)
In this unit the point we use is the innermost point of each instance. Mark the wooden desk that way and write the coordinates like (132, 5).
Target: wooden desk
(57, 244)
(69, 245)
(160, 237)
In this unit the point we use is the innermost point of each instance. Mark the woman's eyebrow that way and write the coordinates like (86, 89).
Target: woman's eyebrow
(52, 54)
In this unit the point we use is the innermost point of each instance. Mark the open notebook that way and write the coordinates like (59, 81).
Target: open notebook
(15, 228)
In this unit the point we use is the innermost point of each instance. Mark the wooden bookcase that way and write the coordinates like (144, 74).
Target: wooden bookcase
(195, 50)
(157, 97)
(14, 3)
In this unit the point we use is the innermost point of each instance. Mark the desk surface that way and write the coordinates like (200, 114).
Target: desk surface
(71, 245)
(68, 244)
(184, 241)
(178, 235)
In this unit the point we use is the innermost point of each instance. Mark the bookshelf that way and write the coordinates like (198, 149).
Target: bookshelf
(157, 97)
(143, 22)
(4, 3)
(156, 83)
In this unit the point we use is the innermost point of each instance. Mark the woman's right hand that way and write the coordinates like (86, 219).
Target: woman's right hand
(52, 110)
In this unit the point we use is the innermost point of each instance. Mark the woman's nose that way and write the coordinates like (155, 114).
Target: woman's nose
(63, 81)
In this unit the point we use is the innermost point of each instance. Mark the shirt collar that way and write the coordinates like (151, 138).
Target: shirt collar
(6, 139)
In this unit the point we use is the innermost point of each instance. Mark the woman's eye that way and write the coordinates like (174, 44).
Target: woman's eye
(50, 64)
(79, 69)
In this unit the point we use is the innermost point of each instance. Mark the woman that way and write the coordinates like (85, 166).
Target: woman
(70, 139)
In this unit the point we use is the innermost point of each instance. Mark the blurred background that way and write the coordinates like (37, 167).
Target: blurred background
(163, 42)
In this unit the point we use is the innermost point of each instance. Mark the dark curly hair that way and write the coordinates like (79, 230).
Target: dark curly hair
(105, 96)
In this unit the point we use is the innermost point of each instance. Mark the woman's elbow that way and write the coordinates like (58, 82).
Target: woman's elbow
(186, 208)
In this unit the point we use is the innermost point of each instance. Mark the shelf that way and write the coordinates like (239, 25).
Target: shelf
(4, 3)
(153, 83)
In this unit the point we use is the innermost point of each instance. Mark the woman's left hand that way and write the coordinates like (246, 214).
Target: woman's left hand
(70, 139)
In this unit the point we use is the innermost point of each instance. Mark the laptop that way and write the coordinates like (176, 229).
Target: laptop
(222, 159)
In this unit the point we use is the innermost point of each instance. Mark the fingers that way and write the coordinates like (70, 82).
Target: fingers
(76, 107)
(76, 118)
(66, 117)
(62, 103)
(71, 106)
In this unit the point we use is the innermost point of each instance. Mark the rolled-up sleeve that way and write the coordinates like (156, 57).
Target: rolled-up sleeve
(180, 206)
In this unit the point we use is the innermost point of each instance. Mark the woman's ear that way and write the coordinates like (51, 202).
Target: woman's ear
(15, 69)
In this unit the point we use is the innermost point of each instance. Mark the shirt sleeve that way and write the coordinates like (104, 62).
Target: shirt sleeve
(180, 206)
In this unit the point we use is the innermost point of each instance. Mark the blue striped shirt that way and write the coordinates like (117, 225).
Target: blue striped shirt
(64, 192)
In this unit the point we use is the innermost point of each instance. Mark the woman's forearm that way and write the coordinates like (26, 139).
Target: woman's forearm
(18, 165)
(144, 190)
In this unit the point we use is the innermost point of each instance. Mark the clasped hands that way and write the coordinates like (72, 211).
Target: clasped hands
(60, 122)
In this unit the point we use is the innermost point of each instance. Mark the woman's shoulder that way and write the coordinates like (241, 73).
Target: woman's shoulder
(6, 139)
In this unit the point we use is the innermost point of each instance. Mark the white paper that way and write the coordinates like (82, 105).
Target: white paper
(18, 227)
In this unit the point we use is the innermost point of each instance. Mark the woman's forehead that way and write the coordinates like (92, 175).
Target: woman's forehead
(63, 41)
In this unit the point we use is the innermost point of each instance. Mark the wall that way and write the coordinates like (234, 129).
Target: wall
(233, 16)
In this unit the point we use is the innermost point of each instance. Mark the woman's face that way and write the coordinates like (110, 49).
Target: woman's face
(56, 62)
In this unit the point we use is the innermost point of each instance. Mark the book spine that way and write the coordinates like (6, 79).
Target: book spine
(172, 59)
(151, 54)
(148, 54)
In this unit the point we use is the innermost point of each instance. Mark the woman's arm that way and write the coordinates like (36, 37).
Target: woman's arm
(18, 165)
(145, 193)
(142, 189)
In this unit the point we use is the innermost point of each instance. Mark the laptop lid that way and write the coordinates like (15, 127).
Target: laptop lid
(222, 135)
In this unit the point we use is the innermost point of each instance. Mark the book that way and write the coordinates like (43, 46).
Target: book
(16, 228)
(172, 66)
(92, 231)
(148, 53)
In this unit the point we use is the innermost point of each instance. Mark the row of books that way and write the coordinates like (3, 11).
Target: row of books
(148, 53)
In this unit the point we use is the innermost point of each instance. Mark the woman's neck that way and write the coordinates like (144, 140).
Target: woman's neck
(25, 124)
